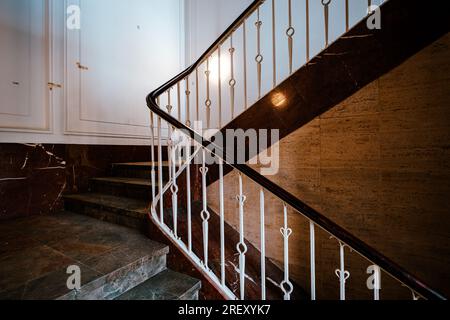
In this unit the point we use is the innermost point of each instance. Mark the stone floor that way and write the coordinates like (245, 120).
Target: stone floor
(36, 252)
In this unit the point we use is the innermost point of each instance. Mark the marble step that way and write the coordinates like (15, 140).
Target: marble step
(118, 210)
(140, 170)
(135, 188)
(122, 270)
(167, 285)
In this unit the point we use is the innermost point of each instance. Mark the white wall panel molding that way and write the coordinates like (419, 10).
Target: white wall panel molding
(26, 104)
(130, 47)
(116, 44)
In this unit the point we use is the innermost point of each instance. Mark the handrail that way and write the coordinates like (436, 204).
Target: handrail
(325, 223)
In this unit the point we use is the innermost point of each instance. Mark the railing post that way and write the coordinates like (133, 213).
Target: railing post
(208, 98)
(274, 46)
(347, 16)
(326, 8)
(286, 232)
(341, 273)
(312, 240)
(160, 173)
(222, 223)
(205, 215)
(152, 153)
(169, 137)
(197, 111)
(232, 82)
(377, 283)
(290, 34)
(241, 247)
(188, 195)
(219, 83)
(244, 37)
(263, 244)
(179, 101)
(307, 30)
(259, 58)
(188, 103)
(174, 190)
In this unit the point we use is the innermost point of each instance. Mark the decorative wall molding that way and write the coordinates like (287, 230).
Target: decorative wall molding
(79, 120)
(38, 118)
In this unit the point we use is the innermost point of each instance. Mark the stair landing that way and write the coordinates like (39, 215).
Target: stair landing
(35, 253)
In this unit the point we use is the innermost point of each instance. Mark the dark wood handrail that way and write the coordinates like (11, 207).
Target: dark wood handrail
(328, 225)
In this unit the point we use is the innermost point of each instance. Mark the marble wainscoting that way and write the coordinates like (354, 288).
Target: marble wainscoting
(33, 177)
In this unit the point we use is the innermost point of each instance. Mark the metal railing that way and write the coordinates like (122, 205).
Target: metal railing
(185, 144)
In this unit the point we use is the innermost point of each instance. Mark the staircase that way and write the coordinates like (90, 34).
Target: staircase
(230, 264)
(123, 199)
(359, 56)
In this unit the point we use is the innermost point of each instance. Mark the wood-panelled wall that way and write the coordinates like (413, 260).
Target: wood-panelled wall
(378, 164)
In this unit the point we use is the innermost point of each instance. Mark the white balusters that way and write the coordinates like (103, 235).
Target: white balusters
(347, 16)
(312, 243)
(160, 172)
(188, 196)
(179, 101)
(259, 58)
(232, 82)
(241, 247)
(222, 223)
(205, 215)
(376, 282)
(326, 14)
(174, 187)
(174, 149)
(290, 34)
(152, 155)
(169, 108)
(188, 103)
(263, 244)
(244, 37)
(307, 29)
(274, 46)
(219, 85)
(197, 106)
(286, 232)
(208, 98)
(341, 273)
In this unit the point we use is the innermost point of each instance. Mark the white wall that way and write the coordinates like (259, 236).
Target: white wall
(130, 48)
(206, 20)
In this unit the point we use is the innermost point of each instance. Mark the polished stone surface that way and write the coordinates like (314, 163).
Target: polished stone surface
(33, 177)
(114, 209)
(35, 253)
(167, 285)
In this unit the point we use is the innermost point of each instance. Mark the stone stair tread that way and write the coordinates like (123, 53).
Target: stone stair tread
(135, 206)
(125, 181)
(140, 164)
(167, 285)
(112, 259)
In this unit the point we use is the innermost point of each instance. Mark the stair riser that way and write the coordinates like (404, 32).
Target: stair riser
(116, 216)
(190, 296)
(139, 172)
(115, 284)
(121, 190)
